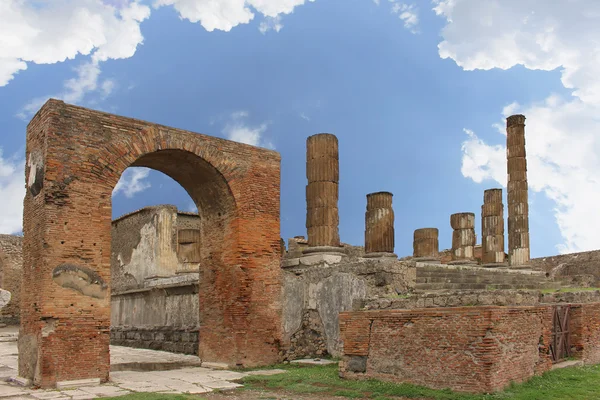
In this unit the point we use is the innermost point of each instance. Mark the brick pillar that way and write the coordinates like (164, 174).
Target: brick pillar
(518, 206)
(426, 244)
(492, 228)
(379, 225)
(463, 238)
(322, 171)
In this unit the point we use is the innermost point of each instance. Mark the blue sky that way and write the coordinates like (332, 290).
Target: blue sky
(416, 93)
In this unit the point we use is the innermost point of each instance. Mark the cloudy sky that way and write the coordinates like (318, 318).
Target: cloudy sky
(416, 91)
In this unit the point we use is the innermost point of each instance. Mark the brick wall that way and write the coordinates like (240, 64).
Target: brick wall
(579, 269)
(470, 349)
(585, 332)
(11, 263)
(75, 157)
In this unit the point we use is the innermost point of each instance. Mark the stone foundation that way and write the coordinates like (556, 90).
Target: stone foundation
(318, 287)
(165, 338)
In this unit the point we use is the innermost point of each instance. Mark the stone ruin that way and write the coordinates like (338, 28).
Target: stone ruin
(216, 288)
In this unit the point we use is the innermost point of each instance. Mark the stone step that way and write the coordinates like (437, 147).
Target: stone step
(483, 286)
(478, 279)
(424, 268)
(476, 272)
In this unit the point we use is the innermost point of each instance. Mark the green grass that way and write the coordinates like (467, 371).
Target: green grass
(581, 383)
(570, 290)
(568, 383)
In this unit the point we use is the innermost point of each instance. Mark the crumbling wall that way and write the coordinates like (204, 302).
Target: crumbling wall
(468, 349)
(316, 288)
(580, 269)
(11, 266)
(154, 297)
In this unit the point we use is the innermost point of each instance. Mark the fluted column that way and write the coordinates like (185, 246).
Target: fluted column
(426, 244)
(379, 225)
(492, 228)
(322, 171)
(463, 238)
(518, 202)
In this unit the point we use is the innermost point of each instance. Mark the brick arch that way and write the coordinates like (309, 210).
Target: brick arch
(75, 157)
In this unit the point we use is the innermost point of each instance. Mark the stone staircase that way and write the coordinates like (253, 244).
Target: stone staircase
(433, 277)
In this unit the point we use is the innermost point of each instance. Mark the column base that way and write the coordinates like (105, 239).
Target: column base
(522, 266)
(379, 255)
(339, 251)
(495, 265)
(462, 262)
(431, 260)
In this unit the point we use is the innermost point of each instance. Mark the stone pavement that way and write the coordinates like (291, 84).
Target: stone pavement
(132, 370)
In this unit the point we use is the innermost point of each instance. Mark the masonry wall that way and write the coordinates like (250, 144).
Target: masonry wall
(469, 349)
(317, 287)
(580, 269)
(154, 296)
(585, 332)
(11, 263)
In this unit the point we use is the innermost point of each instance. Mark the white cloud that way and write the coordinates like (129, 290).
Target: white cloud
(563, 146)
(238, 130)
(305, 117)
(408, 13)
(226, 14)
(61, 30)
(12, 193)
(132, 182)
(270, 23)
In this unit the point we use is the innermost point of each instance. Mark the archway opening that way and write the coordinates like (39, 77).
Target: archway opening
(160, 245)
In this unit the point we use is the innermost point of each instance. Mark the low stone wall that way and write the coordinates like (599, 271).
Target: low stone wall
(162, 316)
(316, 288)
(476, 298)
(468, 349)
(166, 338)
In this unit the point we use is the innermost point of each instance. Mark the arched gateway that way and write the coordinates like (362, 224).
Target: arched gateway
(75, 157)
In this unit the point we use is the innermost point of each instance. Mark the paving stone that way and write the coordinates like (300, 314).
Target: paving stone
(266, 372)
(44, 395)
(105, 390)
(221, 385)
(6, 390)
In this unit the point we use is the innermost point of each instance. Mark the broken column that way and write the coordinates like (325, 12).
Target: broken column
(492, 228)
(463, 238)
(518, 208)
(426, 244)
(379, 225)
(322, 171)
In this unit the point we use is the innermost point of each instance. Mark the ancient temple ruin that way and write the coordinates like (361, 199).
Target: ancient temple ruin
(221, 285)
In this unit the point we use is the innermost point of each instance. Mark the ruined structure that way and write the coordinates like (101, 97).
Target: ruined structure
(492, 228)
(379, 225)
(155, 265)
(323, 174)
(426, 244)
(75, 157)
(11, 261)
(463, 238)
(212, 282)
(518, 206)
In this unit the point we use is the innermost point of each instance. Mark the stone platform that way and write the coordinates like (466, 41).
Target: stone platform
(132, 370)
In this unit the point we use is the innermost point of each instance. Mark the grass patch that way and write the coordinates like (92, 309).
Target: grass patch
(568, 383)
(570, 290)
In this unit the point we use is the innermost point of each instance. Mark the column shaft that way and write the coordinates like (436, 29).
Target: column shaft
(322, 172)
(492, 227)
(379, 223)
(518, 212)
